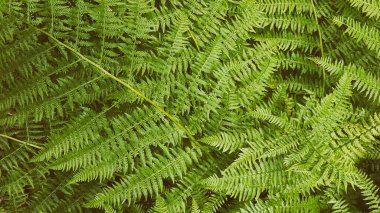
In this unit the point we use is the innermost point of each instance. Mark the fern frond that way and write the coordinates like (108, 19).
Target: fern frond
(249, 183)
(227, 141)
(369, 191)
(299, 24)
(277, 204)
(285, 6)
(149, 180)
(189, 106)
(365, 82)
(370, 36)
(370, 8)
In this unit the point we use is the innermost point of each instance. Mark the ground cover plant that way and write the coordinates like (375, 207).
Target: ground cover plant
(189, 106)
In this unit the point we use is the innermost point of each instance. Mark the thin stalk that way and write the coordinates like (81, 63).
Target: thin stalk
(135, 91)
(20, 141)
(320, 44)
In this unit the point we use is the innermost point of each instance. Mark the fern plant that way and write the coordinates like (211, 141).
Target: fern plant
(189, 106)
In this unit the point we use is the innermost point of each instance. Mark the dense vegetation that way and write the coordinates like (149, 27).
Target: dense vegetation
(189, 106)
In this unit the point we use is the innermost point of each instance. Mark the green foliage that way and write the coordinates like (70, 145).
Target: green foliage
(189, 106)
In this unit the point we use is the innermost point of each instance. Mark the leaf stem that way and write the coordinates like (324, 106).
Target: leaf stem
(320, 44)
(137, 92)
(20, 141)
